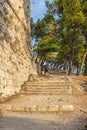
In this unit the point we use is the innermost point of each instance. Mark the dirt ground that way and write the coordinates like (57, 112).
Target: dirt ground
(44, 121)
(76, 120)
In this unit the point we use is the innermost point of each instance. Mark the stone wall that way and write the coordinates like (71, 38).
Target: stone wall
(15, 49)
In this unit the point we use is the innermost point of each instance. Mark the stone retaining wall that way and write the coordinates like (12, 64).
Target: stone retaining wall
(15, 49)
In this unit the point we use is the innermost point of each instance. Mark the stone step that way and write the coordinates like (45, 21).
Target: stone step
(39, 103)
(45, 86)
(43, 93)
(48, 86)
(46, 89)
(35, 108)
(46, 93)
(47, 83)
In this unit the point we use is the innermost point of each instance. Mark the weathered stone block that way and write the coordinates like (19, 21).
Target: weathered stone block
(42, 109)
(54, 108)
(66, 108)
(18, 108)
(27, 109)
(33, 108)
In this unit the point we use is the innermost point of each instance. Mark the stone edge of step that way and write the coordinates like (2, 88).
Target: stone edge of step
(37, 108)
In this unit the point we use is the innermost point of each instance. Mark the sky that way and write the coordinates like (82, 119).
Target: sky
(37, 9)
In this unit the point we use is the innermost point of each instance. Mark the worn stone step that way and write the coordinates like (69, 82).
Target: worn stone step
(35, 108)
(46, 83)
(50, 86)
(49, 80)
(34, 93)
(46, 93)
(46, 90)
(38, 103)
(41, 90)
(46, 87)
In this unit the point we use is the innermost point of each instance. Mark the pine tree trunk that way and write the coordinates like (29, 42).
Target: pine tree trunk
(77, 70)
(83, 61)
(71, 60)
(70, 68)
(85, 71)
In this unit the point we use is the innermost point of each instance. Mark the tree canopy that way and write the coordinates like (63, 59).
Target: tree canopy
(61, 36)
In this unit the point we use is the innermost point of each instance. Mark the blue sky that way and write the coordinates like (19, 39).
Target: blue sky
(37, 9)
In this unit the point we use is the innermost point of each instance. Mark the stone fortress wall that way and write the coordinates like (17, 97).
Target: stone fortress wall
(15, 49)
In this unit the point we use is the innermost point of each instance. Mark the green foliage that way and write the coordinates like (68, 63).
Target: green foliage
(72, 13)
(70, 35)
(46, 47)
(84, 26)
(62, 33)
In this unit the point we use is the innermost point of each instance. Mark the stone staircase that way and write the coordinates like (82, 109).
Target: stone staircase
(49, 94)
(47, 88)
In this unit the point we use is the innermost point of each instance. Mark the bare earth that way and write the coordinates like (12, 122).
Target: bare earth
(40, 121)
(76, 120)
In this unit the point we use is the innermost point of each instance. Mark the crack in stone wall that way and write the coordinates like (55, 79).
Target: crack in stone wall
(15, 59)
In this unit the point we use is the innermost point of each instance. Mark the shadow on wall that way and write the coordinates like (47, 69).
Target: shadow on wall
(28, 28)
(4, 21)
(15, 123)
